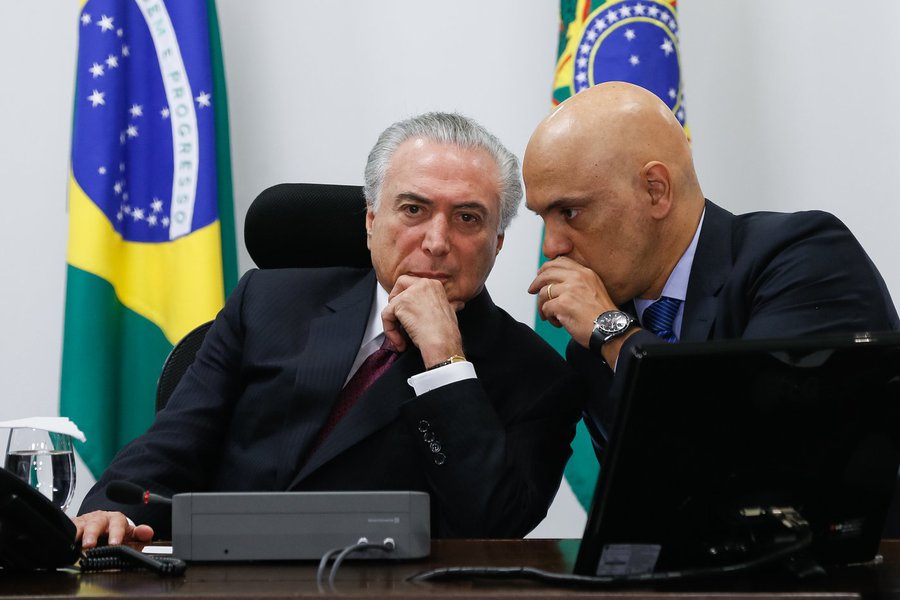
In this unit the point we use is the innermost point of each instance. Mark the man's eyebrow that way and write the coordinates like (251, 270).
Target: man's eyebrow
(471, 205)
(414, 197)
(560, 203)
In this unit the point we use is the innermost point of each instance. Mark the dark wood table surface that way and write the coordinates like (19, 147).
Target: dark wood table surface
(380, 579)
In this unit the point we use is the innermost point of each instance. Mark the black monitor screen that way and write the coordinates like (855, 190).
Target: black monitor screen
(707, 433)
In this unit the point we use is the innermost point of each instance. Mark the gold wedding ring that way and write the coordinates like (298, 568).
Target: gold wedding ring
(550, 292)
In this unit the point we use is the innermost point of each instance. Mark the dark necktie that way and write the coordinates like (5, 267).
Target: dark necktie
(371, 369)
(659, 317)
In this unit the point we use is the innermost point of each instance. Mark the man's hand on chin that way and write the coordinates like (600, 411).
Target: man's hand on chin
(418, 311)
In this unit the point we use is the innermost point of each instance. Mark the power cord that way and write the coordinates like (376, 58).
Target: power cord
(787, 517)
(339, 554)
(124, 558)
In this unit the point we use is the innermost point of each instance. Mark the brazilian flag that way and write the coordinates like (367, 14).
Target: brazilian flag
(613, 40)
(151, 249)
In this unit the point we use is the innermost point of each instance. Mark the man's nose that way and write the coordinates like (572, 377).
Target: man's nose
(555, 244)
(437, 236)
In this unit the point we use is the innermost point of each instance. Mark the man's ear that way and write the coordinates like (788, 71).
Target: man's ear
(655, 176)
(500, 238)
(370, 220)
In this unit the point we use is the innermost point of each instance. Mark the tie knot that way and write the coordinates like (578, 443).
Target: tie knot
(659, 317)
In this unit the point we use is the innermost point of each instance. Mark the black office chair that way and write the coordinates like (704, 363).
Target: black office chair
(287, 225)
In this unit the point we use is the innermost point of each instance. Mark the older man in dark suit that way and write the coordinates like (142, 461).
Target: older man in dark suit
(639, 256)
(471, 406)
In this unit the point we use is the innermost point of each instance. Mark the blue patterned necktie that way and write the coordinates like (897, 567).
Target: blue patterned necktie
(659, 317)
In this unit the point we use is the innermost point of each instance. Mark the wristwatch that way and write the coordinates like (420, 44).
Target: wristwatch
(453, 359)
(608, 326)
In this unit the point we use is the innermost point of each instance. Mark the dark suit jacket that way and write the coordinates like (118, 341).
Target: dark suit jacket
(270, 369)
(760, 275)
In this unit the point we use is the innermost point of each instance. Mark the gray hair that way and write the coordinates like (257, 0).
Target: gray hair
(446, 128)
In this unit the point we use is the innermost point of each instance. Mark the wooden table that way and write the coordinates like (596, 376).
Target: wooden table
(379, 579)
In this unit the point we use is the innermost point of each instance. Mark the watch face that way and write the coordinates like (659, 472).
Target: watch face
(612, 321)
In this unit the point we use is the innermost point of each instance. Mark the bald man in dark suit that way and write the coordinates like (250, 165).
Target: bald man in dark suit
(633, 240)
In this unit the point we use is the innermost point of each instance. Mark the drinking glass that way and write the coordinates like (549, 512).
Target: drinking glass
(45, 461)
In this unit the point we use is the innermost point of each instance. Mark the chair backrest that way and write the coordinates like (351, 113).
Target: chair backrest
(177, 362)
(288, 225)
(308, 225)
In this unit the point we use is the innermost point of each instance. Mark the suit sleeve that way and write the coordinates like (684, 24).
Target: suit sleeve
(182, 447)
(496, 475)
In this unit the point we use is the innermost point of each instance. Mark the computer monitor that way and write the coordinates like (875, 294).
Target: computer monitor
(707, 433)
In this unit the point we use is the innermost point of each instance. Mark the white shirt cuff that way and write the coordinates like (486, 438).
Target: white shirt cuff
(435, 378)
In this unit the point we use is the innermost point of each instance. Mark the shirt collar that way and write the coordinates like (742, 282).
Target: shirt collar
(375, 326)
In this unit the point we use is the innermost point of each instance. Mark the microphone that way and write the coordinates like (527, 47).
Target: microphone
(126, 492)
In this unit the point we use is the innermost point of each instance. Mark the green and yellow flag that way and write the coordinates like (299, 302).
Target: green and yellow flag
(613, 40)
(151, 250)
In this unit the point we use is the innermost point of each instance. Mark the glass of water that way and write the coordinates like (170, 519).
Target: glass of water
(44, 460)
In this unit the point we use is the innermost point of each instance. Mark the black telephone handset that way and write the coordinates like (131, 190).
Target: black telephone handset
(34, 532)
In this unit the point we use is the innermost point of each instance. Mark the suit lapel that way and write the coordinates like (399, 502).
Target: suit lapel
(379, 406)
(322, 367)
(712, 265)
(376, 408)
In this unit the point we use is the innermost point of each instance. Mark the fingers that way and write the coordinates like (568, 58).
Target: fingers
(393, 330)
(94, 526)
(570, 295)
(142, 533)
(419, 312)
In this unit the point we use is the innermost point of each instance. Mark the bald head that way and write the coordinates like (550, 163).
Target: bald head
(615, 125)
(610, 171)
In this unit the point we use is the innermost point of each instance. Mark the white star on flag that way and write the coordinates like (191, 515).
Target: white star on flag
(672, 93)
(125, 50)
(629, 34)
(136, 110)
(639, 9)
(634, 60)
(85, 19)
(97, 99)
(625, 12)
(156, 205)
(203, 99)
(132, 131)
(164, 113)
(667, 46)
(102, 170)
(105, 24)
(137, 214)
(112, 62)
(151, 220)
(96, 70)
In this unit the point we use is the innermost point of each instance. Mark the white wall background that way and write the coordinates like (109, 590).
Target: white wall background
(792, 105)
